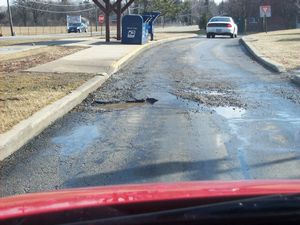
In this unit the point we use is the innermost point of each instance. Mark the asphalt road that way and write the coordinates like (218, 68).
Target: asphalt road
(218, 116)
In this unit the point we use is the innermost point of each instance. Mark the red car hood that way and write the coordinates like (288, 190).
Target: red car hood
(139, 197)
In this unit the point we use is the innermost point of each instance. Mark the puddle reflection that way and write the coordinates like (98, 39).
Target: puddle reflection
(230, 112)
(77, 140)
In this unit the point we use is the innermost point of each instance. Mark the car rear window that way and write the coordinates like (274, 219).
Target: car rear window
(220, 19)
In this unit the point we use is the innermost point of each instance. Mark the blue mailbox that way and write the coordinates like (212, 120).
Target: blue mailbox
(134, 30)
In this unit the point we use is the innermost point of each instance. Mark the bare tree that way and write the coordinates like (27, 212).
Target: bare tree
(20, 13)
(37, 9)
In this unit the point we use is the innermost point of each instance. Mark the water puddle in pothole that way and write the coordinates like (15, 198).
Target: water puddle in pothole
(171, 101)
(230, 112)
(120, 106)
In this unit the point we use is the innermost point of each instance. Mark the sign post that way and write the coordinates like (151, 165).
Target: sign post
(101, 21)
(265, 12)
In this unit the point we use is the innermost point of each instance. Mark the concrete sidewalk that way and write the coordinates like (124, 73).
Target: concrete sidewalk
(95, 60)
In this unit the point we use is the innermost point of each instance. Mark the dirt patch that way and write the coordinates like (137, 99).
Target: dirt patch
(25, 60)
(120, 87)
(211, 94)
(290, 94)
(281, 46)
(22, 94)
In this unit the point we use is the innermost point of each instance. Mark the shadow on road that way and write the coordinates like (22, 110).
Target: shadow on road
(186, 171)
(198, 170)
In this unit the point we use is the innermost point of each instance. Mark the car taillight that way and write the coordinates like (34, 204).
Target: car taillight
(229, 25)
(209, 25)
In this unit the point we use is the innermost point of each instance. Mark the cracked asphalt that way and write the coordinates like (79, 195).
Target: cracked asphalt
(219, 115)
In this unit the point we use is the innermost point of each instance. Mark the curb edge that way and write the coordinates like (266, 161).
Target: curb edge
(274, 66)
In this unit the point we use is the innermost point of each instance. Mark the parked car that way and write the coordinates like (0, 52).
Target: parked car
(77, 24)
(221, 25)
(77, 28)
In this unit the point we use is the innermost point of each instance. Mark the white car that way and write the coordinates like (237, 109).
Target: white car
(221, 25)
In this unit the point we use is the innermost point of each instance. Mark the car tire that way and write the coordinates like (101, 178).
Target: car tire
(235, 35)
(207, 35)
(232, 35)
(213, 35)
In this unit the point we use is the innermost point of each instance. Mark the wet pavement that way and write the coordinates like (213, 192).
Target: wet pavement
(196, 109)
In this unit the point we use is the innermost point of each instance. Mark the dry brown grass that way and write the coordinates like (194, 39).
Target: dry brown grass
(280, 46)
(22, 94)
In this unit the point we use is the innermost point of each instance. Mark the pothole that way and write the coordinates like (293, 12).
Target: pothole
(212, 98)
(211, 94)
(119, 105)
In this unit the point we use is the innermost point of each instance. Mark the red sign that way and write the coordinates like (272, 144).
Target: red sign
(265, 11)
(265, 8)
(101, 19)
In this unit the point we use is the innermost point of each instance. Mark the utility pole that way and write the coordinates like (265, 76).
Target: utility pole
(10, 19)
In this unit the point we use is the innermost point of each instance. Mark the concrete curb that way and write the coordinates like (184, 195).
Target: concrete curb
(262, 59)
(27, 129)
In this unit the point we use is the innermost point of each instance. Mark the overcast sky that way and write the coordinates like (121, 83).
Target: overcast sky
(3, 2)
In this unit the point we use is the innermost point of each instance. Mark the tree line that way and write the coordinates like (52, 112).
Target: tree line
(40, 13)
(45, 13)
